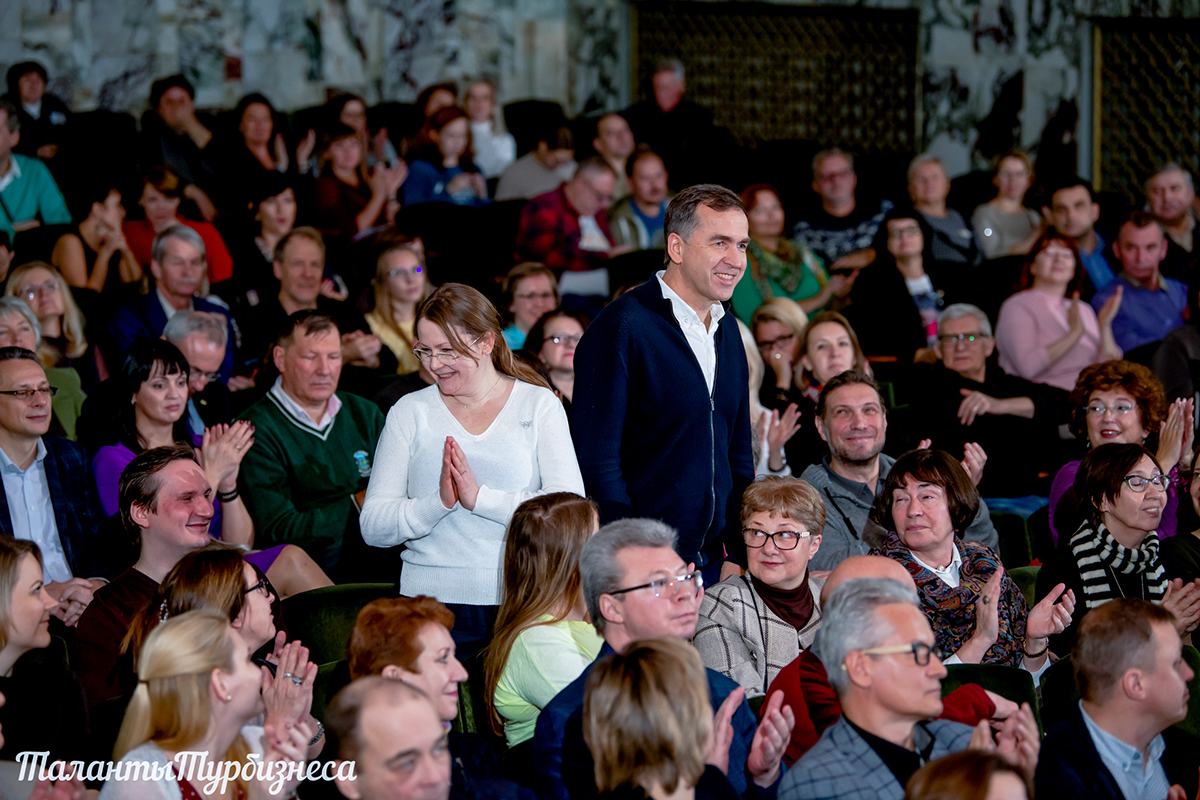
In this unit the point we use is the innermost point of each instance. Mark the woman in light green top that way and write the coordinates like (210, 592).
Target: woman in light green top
(542, 639)
(777, 267)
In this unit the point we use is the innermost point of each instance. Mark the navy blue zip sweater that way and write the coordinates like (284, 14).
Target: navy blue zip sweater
(650, 440)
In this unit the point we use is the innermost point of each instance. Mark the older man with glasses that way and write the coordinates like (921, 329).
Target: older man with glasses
(636, 586)
(968, 398)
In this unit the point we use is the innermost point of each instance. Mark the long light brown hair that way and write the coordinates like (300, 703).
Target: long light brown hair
(12, 553)
(383, 302)
(72, 317)
(455, 307)
(541, 575)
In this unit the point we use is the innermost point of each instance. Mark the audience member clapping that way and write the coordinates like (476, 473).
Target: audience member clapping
(543, 639)
(443, 168)
(770, 430)
(350, 198)
(197, 690)
(636, 586)
(1045, 333)
(778, 267)
(1122, 491)
(778, 326)
(552, 341)
(880, 655)
(161, 192)
(978, 614)
(96, 255)
(494, 147)
(45, 709)
(454, 463)
(751, 626)
(928, 187)
(401, 284)
(351, 110)
(648, 722)
(529, 291)
(1004, 225)
(1122, 402)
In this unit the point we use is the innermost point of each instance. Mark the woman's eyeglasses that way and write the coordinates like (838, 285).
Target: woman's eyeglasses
(1139, 482)
(447, 357)
(783, 540)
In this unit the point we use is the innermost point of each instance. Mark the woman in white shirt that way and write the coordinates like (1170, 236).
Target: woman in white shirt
(494, 147)
(456, 459)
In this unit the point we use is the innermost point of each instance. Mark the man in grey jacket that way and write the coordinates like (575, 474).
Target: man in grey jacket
(852, 420)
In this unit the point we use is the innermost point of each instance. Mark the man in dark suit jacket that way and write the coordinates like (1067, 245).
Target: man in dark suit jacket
(45, 473)
(178, 264)
(1133, 683)
(661, 414)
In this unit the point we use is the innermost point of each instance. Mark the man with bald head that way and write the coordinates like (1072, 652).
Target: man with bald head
(805, 682)
(393, 736)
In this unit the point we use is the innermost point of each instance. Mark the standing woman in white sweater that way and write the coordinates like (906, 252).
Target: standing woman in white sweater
(456, 459)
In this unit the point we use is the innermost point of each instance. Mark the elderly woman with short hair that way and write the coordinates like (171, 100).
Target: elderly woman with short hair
(977, 613)
(754, 625)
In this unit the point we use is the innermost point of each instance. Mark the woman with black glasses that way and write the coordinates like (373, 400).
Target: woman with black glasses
(1115, 552)
(456, 459)
(551, 343)
(752, 626)
(977, 613)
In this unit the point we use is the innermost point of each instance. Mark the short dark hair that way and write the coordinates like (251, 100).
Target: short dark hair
(160, 87)
(1112, 639)
(1102, 472)
(144, 357)
(17, 354)
(640, 153)
(682, 218)
(537, 332)
(343, 715)
(1141, 219)
(847, 378)
(309, 322)
(20, 70)
(12, 121)
(1071, 183)
(140, 483)
(936, 467)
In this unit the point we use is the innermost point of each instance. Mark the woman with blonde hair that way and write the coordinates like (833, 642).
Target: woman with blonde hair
(401, 284)
(456, 459)
(197, 690)
(543, 640)
(63, 343)
(648, 719)
(1004, 225)
(46, 709)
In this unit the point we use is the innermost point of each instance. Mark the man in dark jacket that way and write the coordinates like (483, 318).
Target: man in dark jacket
(661, 418)
(1133, 683)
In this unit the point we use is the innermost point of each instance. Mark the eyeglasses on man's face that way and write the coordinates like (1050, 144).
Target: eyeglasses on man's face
(28, 394)
(447, 357)
(690, 583)
(949, 340)
(783, 540)
(920, 652)
(1139, 483)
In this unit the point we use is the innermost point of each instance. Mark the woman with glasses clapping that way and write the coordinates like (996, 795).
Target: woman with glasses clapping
(456, 459)
(754, 625)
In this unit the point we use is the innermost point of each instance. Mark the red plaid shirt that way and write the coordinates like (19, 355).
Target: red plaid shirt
(549, 233)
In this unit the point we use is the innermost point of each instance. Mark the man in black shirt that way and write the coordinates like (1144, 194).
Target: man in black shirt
(843, 229)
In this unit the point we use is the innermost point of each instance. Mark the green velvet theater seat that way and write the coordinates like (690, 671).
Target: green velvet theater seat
(1010, 683)
(323, 618)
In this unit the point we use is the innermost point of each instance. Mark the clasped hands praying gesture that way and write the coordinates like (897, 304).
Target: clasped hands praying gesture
(457, 484)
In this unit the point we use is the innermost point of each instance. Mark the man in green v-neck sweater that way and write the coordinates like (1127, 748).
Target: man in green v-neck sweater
(313, 451)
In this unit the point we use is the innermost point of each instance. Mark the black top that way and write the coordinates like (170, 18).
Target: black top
(49, 128)
(806, 446)
(1180, 556)
(44, 709)
(900, 761)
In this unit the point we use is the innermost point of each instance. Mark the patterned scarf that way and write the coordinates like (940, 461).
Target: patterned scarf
(786, 268)
(1100, 558)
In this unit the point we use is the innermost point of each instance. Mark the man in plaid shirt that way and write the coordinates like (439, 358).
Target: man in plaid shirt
(567, 229)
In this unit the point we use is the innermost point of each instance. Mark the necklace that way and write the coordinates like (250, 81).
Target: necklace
(487, 395)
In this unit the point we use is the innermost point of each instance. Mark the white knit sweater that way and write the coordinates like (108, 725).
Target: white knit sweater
(455, 554)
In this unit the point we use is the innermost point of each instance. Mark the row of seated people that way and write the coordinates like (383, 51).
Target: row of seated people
(850, 715)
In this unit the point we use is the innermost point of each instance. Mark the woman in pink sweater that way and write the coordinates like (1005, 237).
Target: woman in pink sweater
(1045, 333)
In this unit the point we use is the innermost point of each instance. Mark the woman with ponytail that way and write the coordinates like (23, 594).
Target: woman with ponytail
(456, 459)
(197, 690)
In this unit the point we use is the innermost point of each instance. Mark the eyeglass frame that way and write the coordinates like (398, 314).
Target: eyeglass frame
(574, 338)
(914, 648)
(949, 340)
(1163, 482)
(28, 394)
(264, 584)
(407, 273)
(427, 356)
(771, 344)
(696, 576)
(34, 289)
(800, 535)
(1099, 411)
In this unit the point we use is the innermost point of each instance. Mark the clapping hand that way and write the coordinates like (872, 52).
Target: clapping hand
(770, 740)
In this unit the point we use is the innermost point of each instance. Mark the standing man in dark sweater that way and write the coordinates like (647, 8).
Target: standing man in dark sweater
(661, 418)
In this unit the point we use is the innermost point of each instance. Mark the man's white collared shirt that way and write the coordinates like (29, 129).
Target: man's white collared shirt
(700, 339)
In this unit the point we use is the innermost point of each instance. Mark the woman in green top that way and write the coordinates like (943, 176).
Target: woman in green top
(778, 267)
(543, 639)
